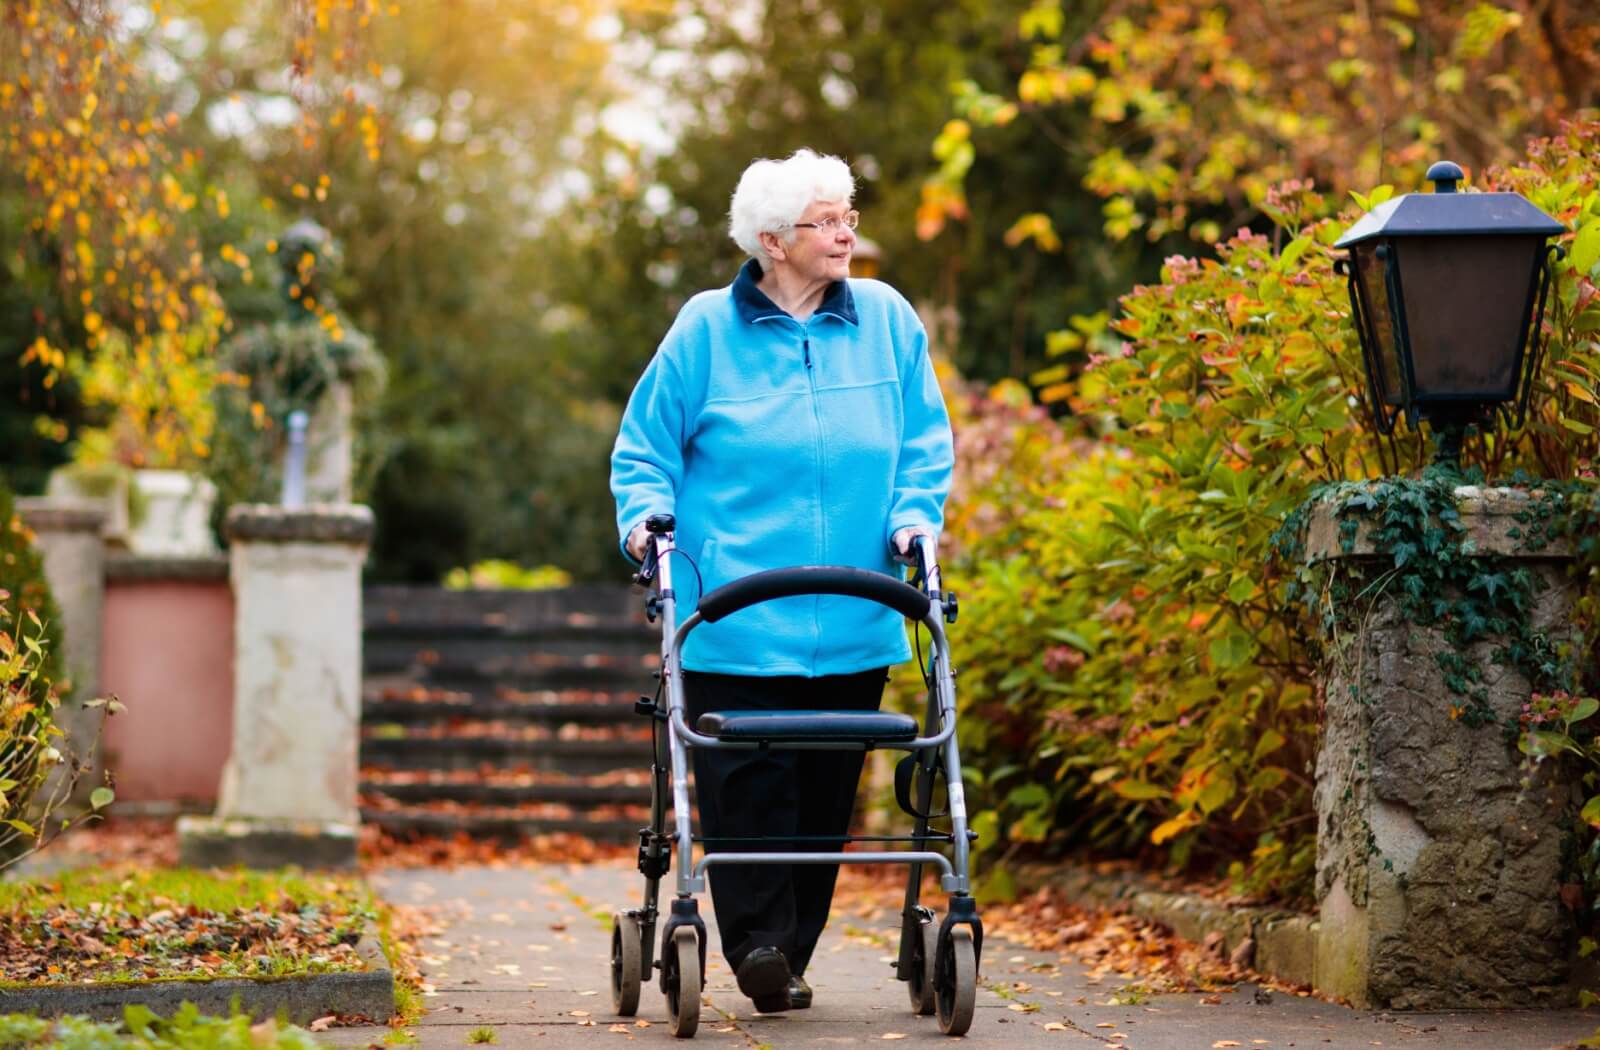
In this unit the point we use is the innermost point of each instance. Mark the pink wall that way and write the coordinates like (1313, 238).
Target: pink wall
(168, 656)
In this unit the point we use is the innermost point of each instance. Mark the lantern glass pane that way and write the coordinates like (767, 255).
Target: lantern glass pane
(1379, 318)
(1467, 302)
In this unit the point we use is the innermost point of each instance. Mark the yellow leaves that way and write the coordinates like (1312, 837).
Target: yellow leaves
(1482, 29)
(1037, 227)
(1043, 19)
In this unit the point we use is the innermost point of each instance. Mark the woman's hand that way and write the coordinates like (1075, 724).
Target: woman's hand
(903, 538)
(638, 542)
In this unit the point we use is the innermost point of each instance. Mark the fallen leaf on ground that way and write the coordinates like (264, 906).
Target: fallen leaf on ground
(894, 1035)
(1220, 1043)
(1057, 1026)
(321, 1024)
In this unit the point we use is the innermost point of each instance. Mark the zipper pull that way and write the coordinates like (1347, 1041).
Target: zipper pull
(805, 345)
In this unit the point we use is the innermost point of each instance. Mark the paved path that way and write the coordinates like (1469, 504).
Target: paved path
(526, 952)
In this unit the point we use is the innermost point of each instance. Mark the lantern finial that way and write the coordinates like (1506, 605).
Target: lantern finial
(1444, 175)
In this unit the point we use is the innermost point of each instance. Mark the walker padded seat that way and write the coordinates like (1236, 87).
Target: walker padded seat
(845, 727)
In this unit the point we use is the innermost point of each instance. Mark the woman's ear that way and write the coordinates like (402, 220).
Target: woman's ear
(776, 249)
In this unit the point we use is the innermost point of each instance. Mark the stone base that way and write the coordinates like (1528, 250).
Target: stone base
(217, 842)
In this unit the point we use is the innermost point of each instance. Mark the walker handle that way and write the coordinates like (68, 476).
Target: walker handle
(814, 579)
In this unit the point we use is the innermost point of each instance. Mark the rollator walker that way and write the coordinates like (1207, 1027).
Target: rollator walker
(938, 960)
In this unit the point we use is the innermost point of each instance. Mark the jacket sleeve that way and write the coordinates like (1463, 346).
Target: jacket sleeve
(647, 459)
(927, 448)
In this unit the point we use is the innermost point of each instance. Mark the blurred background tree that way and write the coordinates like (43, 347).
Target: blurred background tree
(526, 193)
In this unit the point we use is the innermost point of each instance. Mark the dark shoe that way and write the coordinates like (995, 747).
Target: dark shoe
(799, 993)
(764, 977)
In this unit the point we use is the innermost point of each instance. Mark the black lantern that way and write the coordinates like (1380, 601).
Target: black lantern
(1447, 291)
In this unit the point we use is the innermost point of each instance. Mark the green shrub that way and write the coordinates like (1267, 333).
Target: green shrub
(499, 574)
(141, 1029)
(1140, 682)
(23, 589)
(37, 770)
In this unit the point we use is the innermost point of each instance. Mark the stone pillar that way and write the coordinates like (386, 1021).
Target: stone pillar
(1438, 847)
(288, 792)
(67, 534)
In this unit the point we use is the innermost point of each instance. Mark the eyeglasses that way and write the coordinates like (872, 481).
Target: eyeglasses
(832, 222)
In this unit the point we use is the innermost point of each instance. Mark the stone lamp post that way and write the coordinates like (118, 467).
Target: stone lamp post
(1438, 848)
(1443, 287)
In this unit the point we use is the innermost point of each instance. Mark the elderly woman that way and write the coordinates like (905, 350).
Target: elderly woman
(790, 418)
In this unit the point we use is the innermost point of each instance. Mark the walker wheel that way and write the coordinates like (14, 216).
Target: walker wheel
(956, 981)
(626, 963)
(683, 993)
(924, 949)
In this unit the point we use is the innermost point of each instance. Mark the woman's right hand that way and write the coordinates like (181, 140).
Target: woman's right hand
(638, 542)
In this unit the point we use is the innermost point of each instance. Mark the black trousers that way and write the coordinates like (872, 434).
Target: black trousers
(774, 794)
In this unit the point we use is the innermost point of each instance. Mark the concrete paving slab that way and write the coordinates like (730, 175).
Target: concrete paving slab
(526, 952)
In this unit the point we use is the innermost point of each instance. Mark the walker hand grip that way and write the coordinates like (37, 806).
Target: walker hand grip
(814, 579)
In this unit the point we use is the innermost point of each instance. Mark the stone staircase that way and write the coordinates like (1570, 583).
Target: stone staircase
(506, 713)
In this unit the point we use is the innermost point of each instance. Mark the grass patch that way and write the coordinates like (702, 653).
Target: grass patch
(135, 925)
(482, 1035)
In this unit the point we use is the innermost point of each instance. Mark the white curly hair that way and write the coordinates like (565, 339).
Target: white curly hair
(773, 194)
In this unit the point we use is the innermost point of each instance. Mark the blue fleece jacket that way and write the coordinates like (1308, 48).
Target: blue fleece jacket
(777, 442)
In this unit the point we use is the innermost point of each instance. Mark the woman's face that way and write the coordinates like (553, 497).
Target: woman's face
(822, 254)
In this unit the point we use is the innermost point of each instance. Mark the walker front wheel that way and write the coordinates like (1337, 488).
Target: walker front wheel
(626, 963)
(924, 949)
(956, 981)
(683, 994)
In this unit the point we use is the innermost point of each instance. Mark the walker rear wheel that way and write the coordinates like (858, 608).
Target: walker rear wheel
(683, 994)
(924, 949)
(626, 963)
(956, 981)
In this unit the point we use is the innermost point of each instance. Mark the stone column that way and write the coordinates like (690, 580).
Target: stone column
(1438, 847)
(67, 534)
(288, 792)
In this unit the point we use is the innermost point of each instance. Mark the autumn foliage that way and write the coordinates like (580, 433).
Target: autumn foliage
(1136, 678)
(1184, 114)
(116, 201)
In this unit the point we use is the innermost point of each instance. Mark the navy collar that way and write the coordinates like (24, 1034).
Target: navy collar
(753, 304)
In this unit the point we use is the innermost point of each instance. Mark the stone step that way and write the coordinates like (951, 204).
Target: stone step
(460, 753)
(534, 675)
(473, 788)
(412, 607)
(382, 653)
(410, 712)
(492, 627)
(506, 826)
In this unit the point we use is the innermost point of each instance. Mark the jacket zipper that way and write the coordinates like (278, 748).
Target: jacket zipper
(821, 450)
